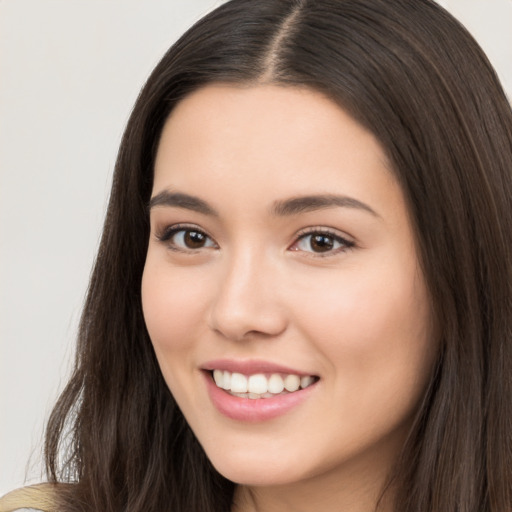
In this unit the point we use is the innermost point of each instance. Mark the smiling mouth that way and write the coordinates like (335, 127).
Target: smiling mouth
(260, 385)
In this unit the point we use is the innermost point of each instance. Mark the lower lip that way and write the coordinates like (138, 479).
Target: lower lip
(254, 410)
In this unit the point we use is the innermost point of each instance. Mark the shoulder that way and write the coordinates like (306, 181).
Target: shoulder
(30, 499)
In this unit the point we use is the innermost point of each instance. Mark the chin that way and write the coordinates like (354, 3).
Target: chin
(257, 476)
(245, 469)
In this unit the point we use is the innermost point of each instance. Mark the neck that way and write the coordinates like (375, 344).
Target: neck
(333, 492)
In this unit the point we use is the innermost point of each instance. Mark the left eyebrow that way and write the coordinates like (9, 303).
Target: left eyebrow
(304, 204)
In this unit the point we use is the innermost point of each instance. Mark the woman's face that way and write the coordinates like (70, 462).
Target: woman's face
(281, 254)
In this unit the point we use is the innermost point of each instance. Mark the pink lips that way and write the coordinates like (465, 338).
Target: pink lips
(250, 367)
(252, 410)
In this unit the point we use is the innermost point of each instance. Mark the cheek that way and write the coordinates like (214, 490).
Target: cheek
(374, 328)
(172, 303)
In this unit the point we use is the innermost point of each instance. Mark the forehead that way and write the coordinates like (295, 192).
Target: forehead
(267, 139)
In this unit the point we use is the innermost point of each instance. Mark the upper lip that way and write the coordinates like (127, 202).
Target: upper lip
(251, 367)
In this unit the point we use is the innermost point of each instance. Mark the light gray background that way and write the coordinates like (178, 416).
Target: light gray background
(70, 71)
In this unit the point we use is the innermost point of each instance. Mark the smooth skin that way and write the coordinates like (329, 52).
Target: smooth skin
(330, 287)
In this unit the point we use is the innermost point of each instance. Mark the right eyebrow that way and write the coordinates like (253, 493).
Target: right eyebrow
(180, 200)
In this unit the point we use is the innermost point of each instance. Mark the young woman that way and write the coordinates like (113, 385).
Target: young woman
(303, 295)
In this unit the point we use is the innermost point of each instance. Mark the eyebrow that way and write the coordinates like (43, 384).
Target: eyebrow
(180, 200)
(281, 208)
(304, 204)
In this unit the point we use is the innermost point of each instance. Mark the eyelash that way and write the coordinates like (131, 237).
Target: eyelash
(345, 244)
(169, 232)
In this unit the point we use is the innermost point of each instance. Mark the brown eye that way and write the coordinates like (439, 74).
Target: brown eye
(194, 239)
(320, 242)
(186, 239)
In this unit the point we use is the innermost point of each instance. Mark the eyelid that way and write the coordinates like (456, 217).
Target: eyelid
(165, 234)
(346, 241)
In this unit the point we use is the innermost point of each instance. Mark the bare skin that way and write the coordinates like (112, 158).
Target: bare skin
(240, 267)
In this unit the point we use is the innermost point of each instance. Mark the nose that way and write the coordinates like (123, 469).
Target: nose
(247, 303)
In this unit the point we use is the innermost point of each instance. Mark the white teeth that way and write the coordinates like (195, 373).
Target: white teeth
(275, 384)
(292, 383)
(259, 385)
(218, 377)
(238, 383)
(306, 381)
(226, 381)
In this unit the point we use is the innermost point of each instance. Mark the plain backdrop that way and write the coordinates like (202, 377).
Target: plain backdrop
(70, 71)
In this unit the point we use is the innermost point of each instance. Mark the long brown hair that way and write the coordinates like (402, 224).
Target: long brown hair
(412, 75)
